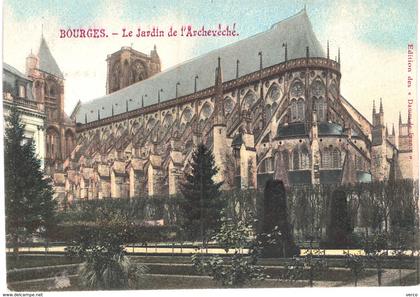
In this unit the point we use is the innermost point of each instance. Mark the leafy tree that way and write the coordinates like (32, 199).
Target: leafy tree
(106, 265)
(239, 269)
(202, 204)
(375, 249)
(309, 266)
(30, 206)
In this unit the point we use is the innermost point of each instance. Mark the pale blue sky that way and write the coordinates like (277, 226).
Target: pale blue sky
(391, 23)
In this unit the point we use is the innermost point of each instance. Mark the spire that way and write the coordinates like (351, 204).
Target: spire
(237, 68)
(219, 118)
(393, 130)
(112, 110)
(386, 129)
(47, 62)
(381, 108)
(285, 51)
(339, 59)
(400, 120)
(218, 73)
(373, 108)
(328, 49)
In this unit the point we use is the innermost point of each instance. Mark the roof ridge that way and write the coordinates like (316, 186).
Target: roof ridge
(299, 13)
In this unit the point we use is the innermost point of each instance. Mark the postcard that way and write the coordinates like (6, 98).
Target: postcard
(210, 145)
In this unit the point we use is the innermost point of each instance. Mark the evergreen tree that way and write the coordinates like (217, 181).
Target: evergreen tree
(202, 204)
(277, 237)
(30, 206)
(339, 227)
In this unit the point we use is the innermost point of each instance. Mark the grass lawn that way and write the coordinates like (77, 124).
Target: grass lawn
(26, 261)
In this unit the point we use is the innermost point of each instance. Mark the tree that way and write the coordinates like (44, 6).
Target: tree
(375, 248)
(310, 266)
(238, 269)
(202, 204)
(276, 219)
(339, 227)
(356, 264)
(30, 206)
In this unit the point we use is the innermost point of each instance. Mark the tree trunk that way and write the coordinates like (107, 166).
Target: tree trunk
(311, 280)
(16, 247)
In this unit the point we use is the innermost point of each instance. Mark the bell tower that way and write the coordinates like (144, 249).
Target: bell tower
(128, 66)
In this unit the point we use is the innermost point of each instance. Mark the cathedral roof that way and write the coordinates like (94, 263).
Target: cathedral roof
(296, 31)
(47, 62)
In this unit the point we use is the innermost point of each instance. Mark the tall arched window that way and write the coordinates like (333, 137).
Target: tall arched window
(301, 109)
(294, 110)
(320, 108)
(336, 158)
(69, 142)
(331, 158)
(296, 159)
(326, 158)
(304, 159)
(53, 143)
(268, 111)
(285, 157)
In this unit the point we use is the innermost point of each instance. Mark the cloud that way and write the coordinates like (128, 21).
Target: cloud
(369, 70)
(82, 61)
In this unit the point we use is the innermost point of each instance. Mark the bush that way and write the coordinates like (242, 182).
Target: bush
(239, 269)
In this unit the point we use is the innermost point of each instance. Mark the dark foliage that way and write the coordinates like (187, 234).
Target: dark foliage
(30, 207)
(277, 236)
(105, 264)
(339, 226)
(202, 204)
(234, 270)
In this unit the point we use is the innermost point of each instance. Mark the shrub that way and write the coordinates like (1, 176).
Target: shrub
(239, 269)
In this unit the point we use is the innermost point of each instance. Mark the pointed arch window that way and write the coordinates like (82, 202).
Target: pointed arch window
(301, 109)
(320, 108)
(305, 161)
(285, 157)
(336, 158)
(294, 110)
(326, 158)
(295, 158)
(268, 111)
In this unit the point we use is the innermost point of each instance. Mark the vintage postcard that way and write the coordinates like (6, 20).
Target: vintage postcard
(210, 144)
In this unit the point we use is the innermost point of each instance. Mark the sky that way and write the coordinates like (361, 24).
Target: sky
(372, 36)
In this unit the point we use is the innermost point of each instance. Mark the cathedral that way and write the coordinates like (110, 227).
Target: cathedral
(268, 106)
